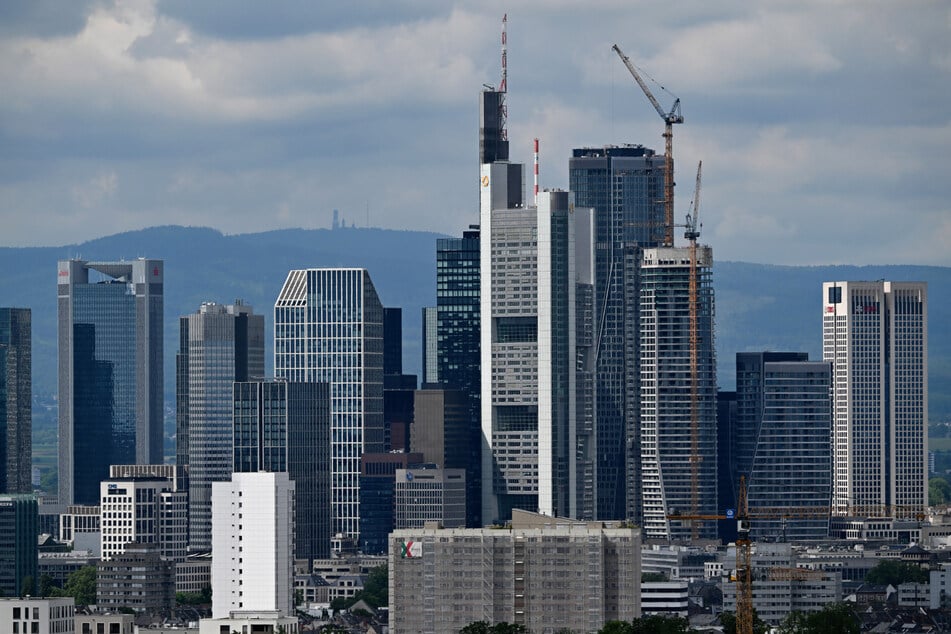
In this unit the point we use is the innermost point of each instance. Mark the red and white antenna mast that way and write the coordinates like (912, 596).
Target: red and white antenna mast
(503, 84)
(536, 172)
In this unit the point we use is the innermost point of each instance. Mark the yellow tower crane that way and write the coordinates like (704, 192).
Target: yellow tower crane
(670, 118)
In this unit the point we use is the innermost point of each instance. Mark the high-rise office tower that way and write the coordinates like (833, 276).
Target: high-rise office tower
(110, 371)
(875, 334)
(780, 441)
(16, 412)
(252, 546)
(19, 526)
(678, 444)
(328, 328)
(430, 369)
(398, 388)
(285, 426)
(218, 345)
(536, 455)
(377, 486)
(625, 187)
(458, 355)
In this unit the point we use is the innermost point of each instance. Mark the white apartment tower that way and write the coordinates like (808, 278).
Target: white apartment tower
(252, 545)
(328, 328)
(678, 446)
(536, 274)
(875, 334)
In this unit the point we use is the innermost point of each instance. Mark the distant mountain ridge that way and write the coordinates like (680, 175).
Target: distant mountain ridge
(758, 307)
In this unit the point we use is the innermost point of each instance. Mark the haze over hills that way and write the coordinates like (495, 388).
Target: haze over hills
(758, 306)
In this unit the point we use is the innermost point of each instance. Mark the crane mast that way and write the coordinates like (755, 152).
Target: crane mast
(691, 234)
(670, 118)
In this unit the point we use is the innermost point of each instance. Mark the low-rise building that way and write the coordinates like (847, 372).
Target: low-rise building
(250, 621)
(665, 597)
(105, 624)
(37, 616)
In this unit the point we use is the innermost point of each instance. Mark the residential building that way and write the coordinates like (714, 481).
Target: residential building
(25, 615)
(780, 443)
(252, 567)
(139, 578)
(19, 521)
(427, 493)
(16, 409)
(535, 264)
(143, 510)
(625, 187)
(875, 335)
(110, 371)
(678, 437)
(285, 426)
(543, 573)
(328, 328)
(218, 345)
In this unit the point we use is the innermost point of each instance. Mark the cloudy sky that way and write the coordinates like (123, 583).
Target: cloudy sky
(824, 126)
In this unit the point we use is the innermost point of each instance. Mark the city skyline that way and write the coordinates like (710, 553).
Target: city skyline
(157, 96)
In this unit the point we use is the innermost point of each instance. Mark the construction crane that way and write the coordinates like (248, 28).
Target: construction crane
(692, 233)
(744, 558)
(670, 118)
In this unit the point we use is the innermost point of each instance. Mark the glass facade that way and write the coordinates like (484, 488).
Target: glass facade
(218, 345)
(284, 426)
(624, 185)
(16, 411)
(110, 371)
(328, 328)
(781, 442)
(19, 526)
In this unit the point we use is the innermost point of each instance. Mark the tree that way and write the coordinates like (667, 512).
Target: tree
(891, 572)
(617, 627)
(939, 491)
(376, 591)
(28, 586)
(835, 618)
(483, 627)
(81, 585)
(658, 624)
(728, 620)
(48, 587)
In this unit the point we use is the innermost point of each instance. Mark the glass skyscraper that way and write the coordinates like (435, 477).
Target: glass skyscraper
(328, 328)
(875, 334)
(624, 185)
(284, 426)
(110, 371)
(16, 411)
(218, 345)
(781, 442)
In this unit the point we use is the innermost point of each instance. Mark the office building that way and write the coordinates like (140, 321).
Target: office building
(427, 493)
(398, 388)
(458, 352)
(781, 443)
(377, 492)
(430, 367)
(285, 426)
(25, 614)
(443, 431)
(875, 335)
(328, 328)
(16, 412)
(110, 371)
(534, 260)
(18, 545)
(218, 345)
(252, 567)
(79, 519)
(678, 437)
(144, 510)
(544, 573)
(625, 187)
(139, 578)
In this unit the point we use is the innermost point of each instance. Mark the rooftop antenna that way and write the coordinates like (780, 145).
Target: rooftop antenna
(503, 84)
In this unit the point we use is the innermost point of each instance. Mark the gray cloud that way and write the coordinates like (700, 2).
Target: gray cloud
(823, 127)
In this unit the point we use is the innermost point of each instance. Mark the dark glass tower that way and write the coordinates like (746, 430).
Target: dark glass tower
(458, 348)
(218, 345)
(625, 187)
(781, 440)
(284, 426)
(19, 526)
(16, 413)
(110, 371)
